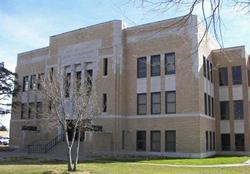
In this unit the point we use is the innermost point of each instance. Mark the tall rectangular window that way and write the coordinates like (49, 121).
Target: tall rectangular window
(155, 137)
(205, 103)
(212, 106)
(224, 110)
(236, 73)
(170, 98)
(78, 80)
(31, 110)
(123, 139)
(67, 84)
(238, 110)
(40, 80)
(155, 103)
(142, 67)
(104, 102)
(209, 105)
(210, 141)
(141, 104)
(213, 140)
(170, 63)
(141, 140)
(33, 82)
(208, 70)
(225, 142)
(155, 65)
(204, 66)
(105, 66)
(25, 83)
(223, 76)
(207, 141)
(170, 141)
(248, 77)
(211, 72)
(23, 110)
(39, 109)
(88, 78)
(239, 142)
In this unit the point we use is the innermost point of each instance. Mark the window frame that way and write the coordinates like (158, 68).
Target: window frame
(153, 142)
(139, 104)
(223, 76)
(167, 56)
(104, 102)
(236, 114)
(142, 65)
(143, 140)
(237, 146)
(105, 66)
(157, 59)
(171, 142)
(152, 104)
(171, 102)
(226, 147)
(226, 116)
(236, 78)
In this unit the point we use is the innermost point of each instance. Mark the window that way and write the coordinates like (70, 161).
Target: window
(123, 139)
(204, 66)
(39, 108)
(105, 66)
(170, 99)
(155, 138)
(208, 70)
(31, 110)
(104, 102)
(67, 84)
(236, 70)
(141, 104)
(205, 103)
(207, 141)
(211, 72)
(248, 77)
(223, 76)
(170, 141)
(212, 107)
(141, 140)
(239, 142)
(89, 75)
(170, 63)
(33, 82)
(225, 142)
(209, 105)
(155, 65)
(142, 67)
(213, 140)
(78, 80)
(238, 110)
(23, 110)
(25, 83)
(40, 80)
(224, 110)
(155, 103)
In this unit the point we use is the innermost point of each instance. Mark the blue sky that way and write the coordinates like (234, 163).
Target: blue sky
(27, 24)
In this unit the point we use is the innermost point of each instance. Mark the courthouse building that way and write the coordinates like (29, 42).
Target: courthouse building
(164, 92)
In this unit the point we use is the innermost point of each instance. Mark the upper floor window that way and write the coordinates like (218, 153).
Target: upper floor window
(142, 67)
(208, 70)
(224, 110)
(155, 103)
(25, 83)
(238, 110)
(33, 82)
(89, 75)
(78, 80)
(23, 110)
(170, 102)
(105, 66)
(236, 72)
(170, 63)
(141, 104)
(211, 72)
(223, 76)
(155, 65)
(67, 84)
(204, 66)
(104, 102)
(40, 80)
(39, 109)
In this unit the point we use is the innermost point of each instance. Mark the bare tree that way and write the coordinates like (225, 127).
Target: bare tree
(210, 11)
(73, 106)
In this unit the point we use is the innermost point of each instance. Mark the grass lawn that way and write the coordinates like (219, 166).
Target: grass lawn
(18, 166)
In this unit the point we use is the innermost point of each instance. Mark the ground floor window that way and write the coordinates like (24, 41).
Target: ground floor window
(155, 138)
(225, 142)
(170, 141)
(207, 139)
(239, 142)
(141, 140)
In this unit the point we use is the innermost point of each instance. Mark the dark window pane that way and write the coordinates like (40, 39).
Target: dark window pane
(207, 139)
(204, 66)
(156, 103)
(105, 66)
(224, 110)
(104, 102)
(142, 67)
(223, 76)
(155, 65)
(213, 140)
(67, 84)
(239, 142)
(141, 140)
(205, 103)
(212, 107)
(155, 141)
(209, 105)
(141, 104)
(211, 72)
(236, 70)
(170, 63)
(170, 98)
(208, 70)
(170, 141)
(238, 110)
(225, 142)
(25, 83)
(33, 82)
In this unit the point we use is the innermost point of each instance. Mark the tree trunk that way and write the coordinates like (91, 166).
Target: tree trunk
(70, 163)
(78, 147)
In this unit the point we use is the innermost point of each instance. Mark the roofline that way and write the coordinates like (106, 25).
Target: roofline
(28, 52)
(230, 48)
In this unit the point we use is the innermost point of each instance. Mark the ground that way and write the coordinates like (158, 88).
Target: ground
(31, 166)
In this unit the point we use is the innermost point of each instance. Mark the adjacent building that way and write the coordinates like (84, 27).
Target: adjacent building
(163, 91)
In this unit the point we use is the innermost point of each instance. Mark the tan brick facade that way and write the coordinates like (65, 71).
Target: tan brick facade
(87, 48)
